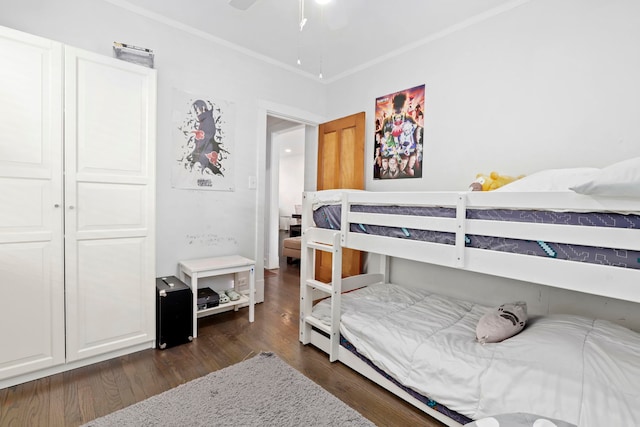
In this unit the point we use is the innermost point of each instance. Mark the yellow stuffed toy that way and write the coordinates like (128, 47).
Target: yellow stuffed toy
(491, 182)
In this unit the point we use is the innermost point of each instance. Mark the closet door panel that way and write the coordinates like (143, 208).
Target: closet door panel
(110, 273)
(26, 67)
(31, 243)
(30, 340)
(23, 206)
(111, 134)
(109, 217)
(128, 215)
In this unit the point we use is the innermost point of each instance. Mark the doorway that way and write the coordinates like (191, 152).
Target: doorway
(270, 116)
(285, 178)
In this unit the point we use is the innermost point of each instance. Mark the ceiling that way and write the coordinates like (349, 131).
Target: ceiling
(339, 38)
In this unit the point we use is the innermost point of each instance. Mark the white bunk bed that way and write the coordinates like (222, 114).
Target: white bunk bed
(593, 278)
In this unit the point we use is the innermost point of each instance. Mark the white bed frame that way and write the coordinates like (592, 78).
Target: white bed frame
(608, 281)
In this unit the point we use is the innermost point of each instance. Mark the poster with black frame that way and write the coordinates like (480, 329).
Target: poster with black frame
(399, 125)
(203, 134)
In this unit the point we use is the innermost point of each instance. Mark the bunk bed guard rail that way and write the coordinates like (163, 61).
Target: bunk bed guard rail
(599, 278)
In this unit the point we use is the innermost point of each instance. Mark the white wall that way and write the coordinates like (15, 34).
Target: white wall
(190, 223)
(549, 84)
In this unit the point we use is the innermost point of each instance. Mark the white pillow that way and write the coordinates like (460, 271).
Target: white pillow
(620, 179)
(550, 180)
(502, 322)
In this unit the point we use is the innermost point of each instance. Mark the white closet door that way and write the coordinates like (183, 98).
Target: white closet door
(31, 260)
(109, 204)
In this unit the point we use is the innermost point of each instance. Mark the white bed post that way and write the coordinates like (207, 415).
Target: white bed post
(461, 220)
(307, 264)
(336, 292)
(383, 267)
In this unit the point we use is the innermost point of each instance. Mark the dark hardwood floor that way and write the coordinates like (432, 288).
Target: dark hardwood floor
(76, 397)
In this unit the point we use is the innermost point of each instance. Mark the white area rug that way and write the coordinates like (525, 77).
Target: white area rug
(262, 391)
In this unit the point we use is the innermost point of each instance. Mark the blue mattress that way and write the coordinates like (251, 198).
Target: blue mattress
(329, 216)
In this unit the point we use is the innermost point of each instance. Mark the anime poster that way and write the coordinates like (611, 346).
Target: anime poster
(203, 136)
(399, 134)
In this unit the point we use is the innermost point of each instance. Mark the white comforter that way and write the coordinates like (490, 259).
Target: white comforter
(583, 371)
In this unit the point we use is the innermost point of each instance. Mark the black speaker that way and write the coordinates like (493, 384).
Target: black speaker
(174, 312)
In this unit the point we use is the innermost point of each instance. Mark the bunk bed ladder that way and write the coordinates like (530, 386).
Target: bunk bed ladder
(312, 289)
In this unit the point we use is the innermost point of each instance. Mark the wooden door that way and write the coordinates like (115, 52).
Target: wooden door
(109, 212)
(341, 165)
(31, 241)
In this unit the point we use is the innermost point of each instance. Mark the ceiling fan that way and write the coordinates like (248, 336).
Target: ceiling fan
(242, 4)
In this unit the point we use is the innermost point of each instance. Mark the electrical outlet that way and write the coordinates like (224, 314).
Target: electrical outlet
(242, 281)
